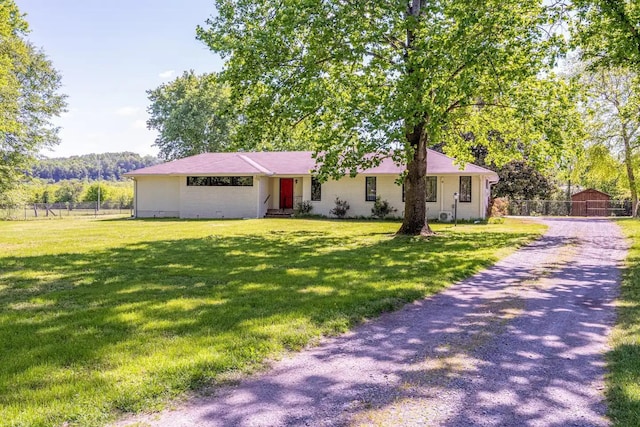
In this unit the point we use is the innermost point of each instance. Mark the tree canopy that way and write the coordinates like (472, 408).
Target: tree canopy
(613, 102)
(608, 31)
(192, 114)
(106, 166)
(29, 97)
(365, 80)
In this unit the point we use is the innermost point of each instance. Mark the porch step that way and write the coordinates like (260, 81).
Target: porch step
(279, 213)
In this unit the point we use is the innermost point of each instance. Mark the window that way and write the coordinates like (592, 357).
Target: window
(465, 189)
(197, 181)
(220, 181)
(316, 190)
(370, 189)
(432, 188)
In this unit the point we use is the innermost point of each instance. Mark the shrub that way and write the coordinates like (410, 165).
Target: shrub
(342, 206)
(499, 207)
(304, 208)
(382, 208)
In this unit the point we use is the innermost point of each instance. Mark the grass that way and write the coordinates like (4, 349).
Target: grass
(623, 382)
(100, 317)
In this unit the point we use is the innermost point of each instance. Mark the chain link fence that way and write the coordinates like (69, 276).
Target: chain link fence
(63, 210)
(569, 208)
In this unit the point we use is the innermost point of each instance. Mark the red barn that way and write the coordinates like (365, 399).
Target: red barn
(590, 202)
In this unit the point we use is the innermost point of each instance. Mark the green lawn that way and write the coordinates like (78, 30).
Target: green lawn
(102, 316)
(623, 391)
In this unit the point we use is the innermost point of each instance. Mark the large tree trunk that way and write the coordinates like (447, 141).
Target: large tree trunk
(630, 175)
(415, 210)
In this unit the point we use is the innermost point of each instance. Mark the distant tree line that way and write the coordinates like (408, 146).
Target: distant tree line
(106, 166)
(73, 192)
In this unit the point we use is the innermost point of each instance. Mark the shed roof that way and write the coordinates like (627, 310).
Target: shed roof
(290, 163)
(588, 191)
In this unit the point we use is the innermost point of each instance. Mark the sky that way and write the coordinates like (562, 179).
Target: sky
(109, 53)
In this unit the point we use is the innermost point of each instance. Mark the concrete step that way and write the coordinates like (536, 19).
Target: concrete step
(279, 213)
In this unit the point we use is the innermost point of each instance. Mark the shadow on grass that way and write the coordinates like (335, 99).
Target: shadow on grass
(623, 391)
(124, 327)
(500, 349)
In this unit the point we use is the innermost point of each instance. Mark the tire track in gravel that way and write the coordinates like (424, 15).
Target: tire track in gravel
(521, 343)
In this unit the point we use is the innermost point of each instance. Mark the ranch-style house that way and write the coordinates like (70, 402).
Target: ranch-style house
(251, 184)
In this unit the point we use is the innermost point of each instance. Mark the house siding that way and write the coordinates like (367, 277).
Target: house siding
(263, 194)
(157, 197)
(218, 202)
(466, 210)
(353, 191)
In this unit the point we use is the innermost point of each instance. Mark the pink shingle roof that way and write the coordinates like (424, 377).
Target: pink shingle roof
(288, 163)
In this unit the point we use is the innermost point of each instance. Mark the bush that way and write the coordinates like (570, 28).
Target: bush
(499, 207)
(342, 206)
(382, 208)
(304, 208)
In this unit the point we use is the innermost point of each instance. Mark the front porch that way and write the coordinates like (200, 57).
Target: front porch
(279, 196)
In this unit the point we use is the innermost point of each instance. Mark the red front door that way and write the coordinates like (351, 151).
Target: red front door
(286, 193)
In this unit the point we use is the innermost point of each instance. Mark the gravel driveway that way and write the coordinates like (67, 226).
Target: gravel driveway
(521, 344)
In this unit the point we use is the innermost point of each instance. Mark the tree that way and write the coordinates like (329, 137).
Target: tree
(521, 181)
(361, 81)
(69, 192)
(28, 97)
(97, 188)
(599, 169)
(193, 114)
(614, 104)
(608, 31)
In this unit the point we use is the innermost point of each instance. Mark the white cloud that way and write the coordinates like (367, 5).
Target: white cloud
(127, 111)
(166, 74)
(139, 124)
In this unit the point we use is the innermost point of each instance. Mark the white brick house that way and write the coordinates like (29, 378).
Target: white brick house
(248, 185)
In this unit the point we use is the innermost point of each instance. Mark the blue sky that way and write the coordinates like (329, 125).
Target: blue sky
(109, 53)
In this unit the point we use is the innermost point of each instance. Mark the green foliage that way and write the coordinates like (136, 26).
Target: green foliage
(613, 103)
(600, 170)
(102, 316)
(122, 195)
(106, 166)
(69, 192)
(341, 208)
(193, 114)
(375, 79)
(97, 189)
(304, 208)
(29, 97)
(520, 181)
(608, 31)
(382, 208)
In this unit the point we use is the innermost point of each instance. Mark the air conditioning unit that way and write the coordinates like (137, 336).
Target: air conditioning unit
(445, 216)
